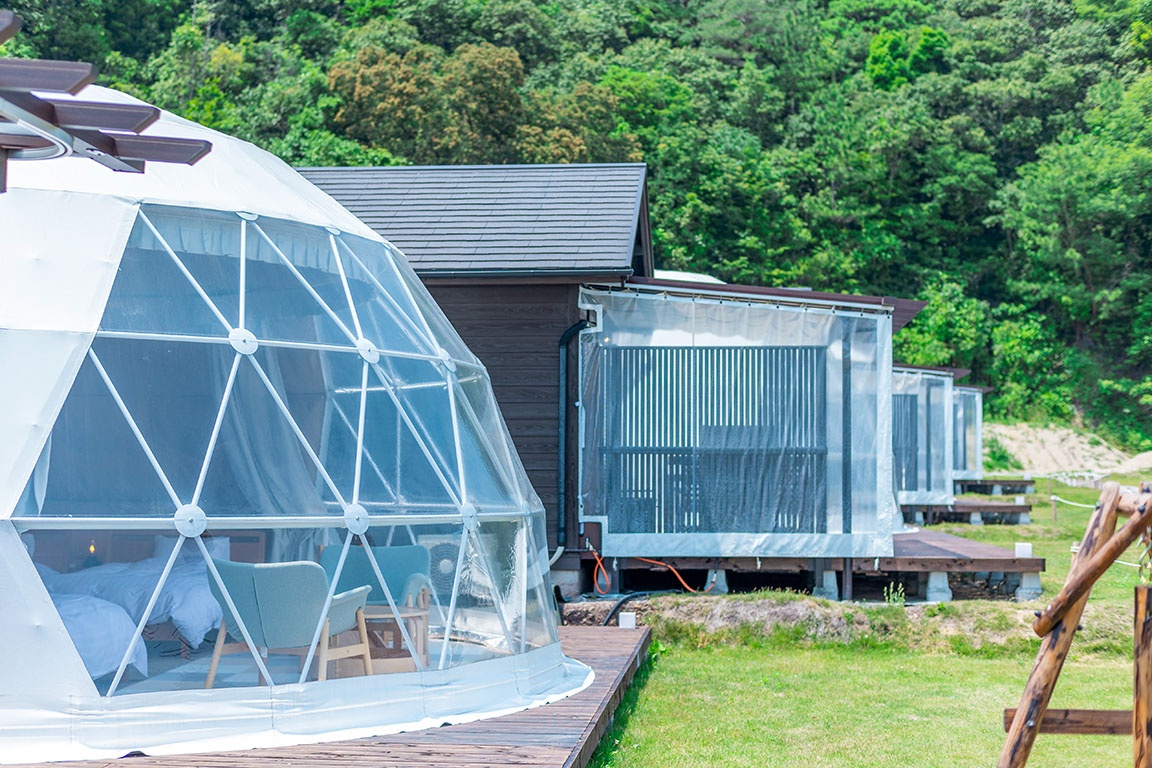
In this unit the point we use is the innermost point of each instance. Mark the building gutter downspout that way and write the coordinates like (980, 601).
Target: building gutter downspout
(562, 452)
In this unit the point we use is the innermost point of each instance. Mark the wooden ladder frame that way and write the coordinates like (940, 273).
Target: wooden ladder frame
(1057, 624)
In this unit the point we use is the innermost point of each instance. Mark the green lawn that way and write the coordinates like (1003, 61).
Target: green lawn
(748, 700)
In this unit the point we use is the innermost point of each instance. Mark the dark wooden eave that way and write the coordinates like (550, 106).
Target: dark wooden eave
(955, 373)
(35, 127)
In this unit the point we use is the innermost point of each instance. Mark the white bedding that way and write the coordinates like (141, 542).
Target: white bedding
(185, 599)
(101, 631)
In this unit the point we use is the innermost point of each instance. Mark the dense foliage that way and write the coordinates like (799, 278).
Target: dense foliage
(991, 156)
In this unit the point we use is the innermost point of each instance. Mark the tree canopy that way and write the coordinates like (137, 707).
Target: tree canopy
(993, 157)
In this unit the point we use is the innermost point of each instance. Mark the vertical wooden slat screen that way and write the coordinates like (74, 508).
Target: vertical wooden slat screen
(714, 439)
(906, 441)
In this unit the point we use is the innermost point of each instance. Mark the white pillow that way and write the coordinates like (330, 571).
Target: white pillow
(219, 547)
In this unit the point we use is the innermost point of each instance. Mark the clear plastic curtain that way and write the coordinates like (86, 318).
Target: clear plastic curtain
(715, 427)
(265, 458)
(922, 445)
(968, 444)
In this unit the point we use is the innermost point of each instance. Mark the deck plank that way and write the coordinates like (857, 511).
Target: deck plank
(926, 550)
(559, 735)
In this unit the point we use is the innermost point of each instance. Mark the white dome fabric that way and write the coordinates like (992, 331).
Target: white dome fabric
(234, 176)
(218, 368)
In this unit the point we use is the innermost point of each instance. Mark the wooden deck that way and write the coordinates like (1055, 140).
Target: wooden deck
(994, 487)
(935, 551)
(964, 510)
(559, 735)
(921, 551)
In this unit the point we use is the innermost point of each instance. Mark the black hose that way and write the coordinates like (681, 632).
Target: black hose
(633, 596)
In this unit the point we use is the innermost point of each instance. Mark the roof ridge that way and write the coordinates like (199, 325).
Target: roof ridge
(504, 167)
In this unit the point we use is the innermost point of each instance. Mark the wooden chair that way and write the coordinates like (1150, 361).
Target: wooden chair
(280, 604)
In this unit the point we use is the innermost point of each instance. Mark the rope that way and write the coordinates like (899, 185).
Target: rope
(676, 573)
(1075, 548)
(1073, 503)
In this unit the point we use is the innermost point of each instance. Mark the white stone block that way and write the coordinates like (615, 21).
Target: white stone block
(826, 586)
(568, 581)
(718, 581)
(938, 589)
(1029, 588)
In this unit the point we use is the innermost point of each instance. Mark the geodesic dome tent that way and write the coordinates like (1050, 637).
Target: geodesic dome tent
(968, 433)
(214, 367)
(922, 443)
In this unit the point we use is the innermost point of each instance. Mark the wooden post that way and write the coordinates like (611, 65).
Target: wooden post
(1054, 647)
(1142, 677)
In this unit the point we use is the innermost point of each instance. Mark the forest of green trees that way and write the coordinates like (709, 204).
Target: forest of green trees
(991, 156)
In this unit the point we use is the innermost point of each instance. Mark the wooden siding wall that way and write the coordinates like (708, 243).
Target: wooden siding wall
(515, 329)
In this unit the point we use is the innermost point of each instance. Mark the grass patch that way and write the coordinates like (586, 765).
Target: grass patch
(812, 707)
(781, 679)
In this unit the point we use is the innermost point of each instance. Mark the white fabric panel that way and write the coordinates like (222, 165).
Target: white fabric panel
(747, 544)
(39, 666)
(720, 427)
(61, 250)
(234, 176)
(243, 718)
(48, 361)
(54, 282)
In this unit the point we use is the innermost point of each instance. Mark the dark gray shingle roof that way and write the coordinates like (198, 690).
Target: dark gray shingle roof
(484, 219)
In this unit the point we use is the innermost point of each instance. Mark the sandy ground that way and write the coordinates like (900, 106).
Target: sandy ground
(1058, 449)
(1137, 463)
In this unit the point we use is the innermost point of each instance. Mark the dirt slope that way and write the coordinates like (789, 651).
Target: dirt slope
(1058, 449)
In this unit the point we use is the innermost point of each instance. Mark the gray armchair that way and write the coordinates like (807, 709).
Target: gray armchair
(280, 604)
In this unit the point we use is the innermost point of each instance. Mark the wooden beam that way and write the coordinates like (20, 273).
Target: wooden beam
(10, 24)
(43, 75)
(22, 141)
(1087, 571)
(1083, 722)
(1029, 716)
(130, 118)
(952, 564)
(161, 149)
(102, 148)
(1142, 680)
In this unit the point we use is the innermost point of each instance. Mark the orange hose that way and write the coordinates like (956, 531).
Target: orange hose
(599, 569)
(676, 573)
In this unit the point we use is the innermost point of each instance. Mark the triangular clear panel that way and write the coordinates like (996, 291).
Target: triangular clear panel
(292, 289)
(97, 466)
(260, 466)
(388, 309)
(173, 391)
(420, 393)
(152, 295)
